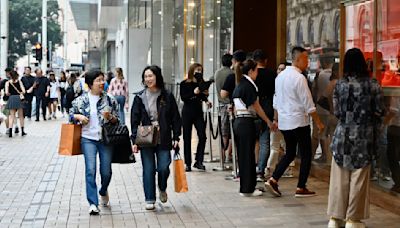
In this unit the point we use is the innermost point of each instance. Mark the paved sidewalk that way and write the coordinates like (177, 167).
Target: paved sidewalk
(39, 188)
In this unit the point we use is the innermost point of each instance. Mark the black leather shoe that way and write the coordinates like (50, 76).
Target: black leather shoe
(199, 166)
(16, 130)
(188, 169)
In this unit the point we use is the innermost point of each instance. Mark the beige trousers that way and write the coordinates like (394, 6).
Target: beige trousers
(349, 193)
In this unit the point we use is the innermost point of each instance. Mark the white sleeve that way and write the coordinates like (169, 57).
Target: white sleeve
(304, 94)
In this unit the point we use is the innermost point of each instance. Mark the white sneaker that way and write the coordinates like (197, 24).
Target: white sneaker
(163, 197)
(335, 223)
(104, 200)
(254, 194)
(150, 206)
(94, 210)
(353, 224)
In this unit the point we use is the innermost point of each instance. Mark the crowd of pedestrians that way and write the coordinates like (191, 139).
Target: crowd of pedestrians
(277, 115)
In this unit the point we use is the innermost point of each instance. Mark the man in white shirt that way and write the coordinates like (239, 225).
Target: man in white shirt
(293, 105)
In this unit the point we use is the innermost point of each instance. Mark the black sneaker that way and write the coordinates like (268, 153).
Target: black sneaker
(188, 169)
(199, 166)
(16, 130)
(272, 187)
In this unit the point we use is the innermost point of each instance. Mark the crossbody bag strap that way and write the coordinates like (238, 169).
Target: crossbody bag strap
(15, 87)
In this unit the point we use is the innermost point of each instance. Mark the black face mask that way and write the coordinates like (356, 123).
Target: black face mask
(198, 76)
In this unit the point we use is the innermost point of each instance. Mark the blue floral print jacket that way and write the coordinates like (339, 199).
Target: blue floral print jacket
(81, 106)
(358, 105)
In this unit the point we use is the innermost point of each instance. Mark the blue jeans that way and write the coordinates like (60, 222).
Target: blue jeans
(263, 155)
(121, 112)
(90, 148)
(148, 156)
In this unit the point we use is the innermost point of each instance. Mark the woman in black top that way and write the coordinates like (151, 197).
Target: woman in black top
(192, 114)
(63, 84)
(15, 90)
(247, 108)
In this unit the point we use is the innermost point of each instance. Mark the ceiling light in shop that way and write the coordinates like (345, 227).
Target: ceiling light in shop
(191, 4)
(191, 42)
(211, 36)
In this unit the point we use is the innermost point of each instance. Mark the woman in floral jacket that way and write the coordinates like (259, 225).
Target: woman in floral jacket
(93, 110)
(358, 105)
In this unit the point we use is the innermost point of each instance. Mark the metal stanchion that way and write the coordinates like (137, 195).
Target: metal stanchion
(210, 137)
(222, 166)
(235, 170)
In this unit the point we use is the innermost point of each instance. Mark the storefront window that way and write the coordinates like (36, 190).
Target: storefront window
(383, 65)
(315, 26)
(202, 34)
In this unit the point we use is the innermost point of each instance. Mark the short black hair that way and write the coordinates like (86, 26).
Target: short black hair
(157, 72)
(91, 75)
(259, 55)
(8, 69)
(297, 50)
(28, 67)
(239, 55)
(354, 64)
(284, 63)
(226, 60)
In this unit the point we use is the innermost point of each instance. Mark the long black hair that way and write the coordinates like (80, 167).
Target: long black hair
(354, 64)
(157, 72)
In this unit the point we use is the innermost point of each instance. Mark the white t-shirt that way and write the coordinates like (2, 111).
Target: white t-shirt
(92, 130)
(53, 89)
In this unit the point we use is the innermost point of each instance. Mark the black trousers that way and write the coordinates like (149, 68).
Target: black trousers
(300, 137)
(188, 120)
(245, 139)
(62, 93)
(393, 153)
(41, 101)
(28, 106)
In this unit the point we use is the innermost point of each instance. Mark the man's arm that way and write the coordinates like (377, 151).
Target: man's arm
(224, 94)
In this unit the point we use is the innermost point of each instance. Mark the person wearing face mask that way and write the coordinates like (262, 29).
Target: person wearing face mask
(247, 107)
(93, 110)
(192, 114)
(155, 106)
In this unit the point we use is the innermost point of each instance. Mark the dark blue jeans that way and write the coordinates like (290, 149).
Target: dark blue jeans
(90, 148)
(154, 159)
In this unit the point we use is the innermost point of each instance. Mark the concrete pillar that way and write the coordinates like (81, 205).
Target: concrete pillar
(3, 36)
(167, 56)
(156, 32)
(44, 36)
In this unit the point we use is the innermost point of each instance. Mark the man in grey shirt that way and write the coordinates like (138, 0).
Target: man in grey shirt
(320, 85)
(220, 77)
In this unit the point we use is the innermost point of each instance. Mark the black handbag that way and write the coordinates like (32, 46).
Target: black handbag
(122, 153)
(115, 134)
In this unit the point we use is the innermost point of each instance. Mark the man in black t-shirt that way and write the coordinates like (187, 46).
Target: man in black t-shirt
(238, 57)
(28, 80)
(266, 88)
(41, 91)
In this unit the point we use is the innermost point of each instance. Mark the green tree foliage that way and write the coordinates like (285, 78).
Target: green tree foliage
(26, 23)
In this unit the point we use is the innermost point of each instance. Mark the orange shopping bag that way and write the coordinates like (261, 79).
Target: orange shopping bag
(70, 140)
(179, 173)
